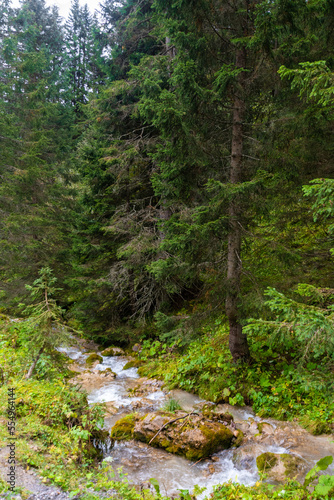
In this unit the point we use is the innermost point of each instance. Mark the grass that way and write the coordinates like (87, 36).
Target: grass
(171, 405)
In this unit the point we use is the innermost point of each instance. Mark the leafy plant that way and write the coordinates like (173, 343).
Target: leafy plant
(325, 483)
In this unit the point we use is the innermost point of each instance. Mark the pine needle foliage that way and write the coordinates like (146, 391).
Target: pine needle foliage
(48, 329)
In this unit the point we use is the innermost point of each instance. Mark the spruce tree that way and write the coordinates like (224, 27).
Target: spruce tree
(37, 123)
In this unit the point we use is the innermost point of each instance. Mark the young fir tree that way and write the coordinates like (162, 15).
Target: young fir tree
(45, 318)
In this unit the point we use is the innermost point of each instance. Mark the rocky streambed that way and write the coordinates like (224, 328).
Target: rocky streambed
(203, 444)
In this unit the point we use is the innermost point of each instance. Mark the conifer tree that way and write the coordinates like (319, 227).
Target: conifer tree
(45, 318)
(34, 199)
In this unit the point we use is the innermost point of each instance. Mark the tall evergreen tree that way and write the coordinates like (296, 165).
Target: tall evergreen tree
(34, 197)
(84, 55)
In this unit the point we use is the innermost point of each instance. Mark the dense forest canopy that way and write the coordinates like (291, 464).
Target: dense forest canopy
(169, 161)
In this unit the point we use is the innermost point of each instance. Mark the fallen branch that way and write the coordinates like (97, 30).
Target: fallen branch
(171, 422)
(203, 458)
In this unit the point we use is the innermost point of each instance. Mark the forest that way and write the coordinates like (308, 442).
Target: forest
(167, 182)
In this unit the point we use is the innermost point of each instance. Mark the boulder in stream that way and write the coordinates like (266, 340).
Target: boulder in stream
(90, 380)
(113, 351)
(187, 434)
(92, 358)
(280, 466)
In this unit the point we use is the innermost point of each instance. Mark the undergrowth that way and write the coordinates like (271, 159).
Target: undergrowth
(275, 383)
(56, 427)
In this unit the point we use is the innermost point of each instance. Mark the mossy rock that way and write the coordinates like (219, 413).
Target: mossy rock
(92, 358)
(112, 351)
(266, 461)
(265, 427)
(210, 412)
(192, 437)
(123, 428)
(109, 370)
(238, 439)
(291, 464)
(280, 466)
(70, 374)
(135, 363)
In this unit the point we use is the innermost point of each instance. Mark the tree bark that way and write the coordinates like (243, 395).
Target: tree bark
(32, 367)
(237, 340)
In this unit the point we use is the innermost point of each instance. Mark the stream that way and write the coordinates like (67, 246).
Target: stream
(141, 462)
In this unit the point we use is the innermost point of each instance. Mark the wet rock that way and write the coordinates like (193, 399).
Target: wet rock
(92, 358)
(192, 436)
(204, 405)
(110, 408)
(265, 428)
(214, 412)
(244, 458)
(75, 367)
(113, 351)
(253, 429)
(146, 386)
(90, 380)
(212, 469)
(280, 466)
(243, 427)
(143, 403)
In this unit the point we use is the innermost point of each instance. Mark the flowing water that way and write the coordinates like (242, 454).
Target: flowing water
(141, 462)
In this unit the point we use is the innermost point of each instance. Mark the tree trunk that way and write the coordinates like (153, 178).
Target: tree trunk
(165, 212)
(32, 367)
(237, 340)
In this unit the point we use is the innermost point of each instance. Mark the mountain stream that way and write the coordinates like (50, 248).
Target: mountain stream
(141, 462)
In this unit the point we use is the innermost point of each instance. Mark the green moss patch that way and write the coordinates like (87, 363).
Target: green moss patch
(135, 363)
(112, 351)
(291, 464)
(123, 428)
(92, 358)
(266, 461)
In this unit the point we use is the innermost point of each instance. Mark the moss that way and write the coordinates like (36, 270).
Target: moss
(109, 370)
(123, 428)
(266, 461)
(291, 464)
(239, 439)
(210, 412)
(111, 351)
(150, 369)
(194, 454)
(70, 374)
(220, 439)
(165, 443)
(135, 363)
(92, 358)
